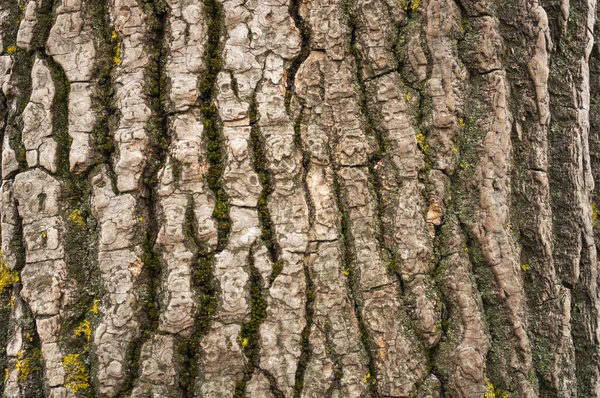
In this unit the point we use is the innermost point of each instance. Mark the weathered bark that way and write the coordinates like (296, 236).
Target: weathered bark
(299, 198)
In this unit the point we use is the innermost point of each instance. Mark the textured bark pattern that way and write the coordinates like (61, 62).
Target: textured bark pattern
(299, 198)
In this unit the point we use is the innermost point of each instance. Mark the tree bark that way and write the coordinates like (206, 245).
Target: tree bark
(299, 198)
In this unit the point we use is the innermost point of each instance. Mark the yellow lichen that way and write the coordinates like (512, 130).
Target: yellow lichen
(408, 97)
(76, 376)
(525, 267)
(243, 341)
(366, 377)
(494, 392)
(490, 390)
(12, 302)
(44, 234)
(11, 50)
(461, 122)
(346, 271)
(467, 250)
(77, 218)
(28, 363)
(140, 219)
(84, 329)
(94, 309)
(117, 57)
(409, 5)
(594, 215)
(421, 140)
(7, 277)
(5, 374)
(455, 149)
(114, 34)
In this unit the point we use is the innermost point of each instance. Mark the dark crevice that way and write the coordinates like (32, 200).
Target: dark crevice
(338, 371)
(107, 114)
(81, 237)
(348, 260)
(158, 138)
(277, 393)
(305, 49)
(305, 35)
(13, 124)
(249, 335)
(259, 160)
(206, 295)
(309, 304)
(213, 136)
(564, 174)
(203, 281)
(377, 159)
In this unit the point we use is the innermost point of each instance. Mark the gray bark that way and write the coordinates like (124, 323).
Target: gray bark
(299, 198)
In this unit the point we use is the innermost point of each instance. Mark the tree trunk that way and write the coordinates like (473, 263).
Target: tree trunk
(299, 198)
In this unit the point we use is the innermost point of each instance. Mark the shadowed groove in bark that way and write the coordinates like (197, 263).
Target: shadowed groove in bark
(338, 372)
(310, 297)
(12, 127)
(347, 261)
(249, 335)
(305, 35)
(213, 135)
(79, 245)
(107, 118)
(485, 280)
(203, 285)
(202, 281)
(375, 159)
(5, 294)
(566, 186)
(259, 161)
(80, 242)
(158, 143)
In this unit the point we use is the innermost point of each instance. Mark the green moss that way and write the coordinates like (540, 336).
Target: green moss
(248, 338)
(305, 349)
(203, 284)
(305, 35)
(266, 181)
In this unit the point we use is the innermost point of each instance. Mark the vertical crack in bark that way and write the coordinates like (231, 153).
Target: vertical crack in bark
(338, 371)
(106, 122)
(571, 182)
(347, 261)
(266, 181)
(310, 298)
(305, 35)
(346, 234)
(157, 128)
(74, 195)
(203, 282)
(373, 163)
(11, 141)
(249, 335)
(80, 241)
(212, 133)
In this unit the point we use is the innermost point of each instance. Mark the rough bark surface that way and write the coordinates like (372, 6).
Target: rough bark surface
(299, 198)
